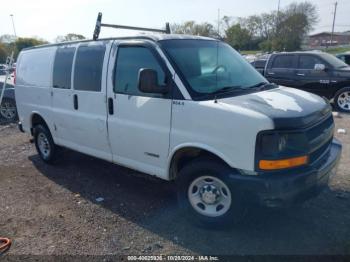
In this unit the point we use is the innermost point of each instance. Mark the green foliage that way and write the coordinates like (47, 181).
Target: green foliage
(3, 53)
(192, 28)
(337, 50)
(238, 37)
(24, 42)
(69, 37)
(274, 31)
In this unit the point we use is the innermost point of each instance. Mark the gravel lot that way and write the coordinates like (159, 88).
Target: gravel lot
(53, 210)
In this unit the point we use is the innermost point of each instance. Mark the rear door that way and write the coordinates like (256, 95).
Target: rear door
(281, 70)
(138, 123)
(309, 79)
(62, 107)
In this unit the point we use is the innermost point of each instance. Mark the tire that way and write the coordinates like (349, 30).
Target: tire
(206, 195)
(44, 144)
(8, 110)
(342, 100)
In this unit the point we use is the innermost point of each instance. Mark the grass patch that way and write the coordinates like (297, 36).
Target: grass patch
(337, 50)
(250, 52)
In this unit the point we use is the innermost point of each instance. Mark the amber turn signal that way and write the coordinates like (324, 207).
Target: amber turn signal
(283, 163)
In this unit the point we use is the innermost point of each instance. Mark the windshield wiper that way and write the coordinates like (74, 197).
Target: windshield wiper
(227, 89)
(262, 85)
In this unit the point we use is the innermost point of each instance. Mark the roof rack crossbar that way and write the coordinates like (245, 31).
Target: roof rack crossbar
(99, 24)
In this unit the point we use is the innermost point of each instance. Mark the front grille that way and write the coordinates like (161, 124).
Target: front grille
(320, 137)
(315, 155)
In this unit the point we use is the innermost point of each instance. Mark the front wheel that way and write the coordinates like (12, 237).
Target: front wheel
(207, 196)
(342, 100)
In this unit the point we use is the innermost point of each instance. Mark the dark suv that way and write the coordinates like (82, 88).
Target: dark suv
(315, 72)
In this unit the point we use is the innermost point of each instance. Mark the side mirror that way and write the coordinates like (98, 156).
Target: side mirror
(148, 82)
(320, 67)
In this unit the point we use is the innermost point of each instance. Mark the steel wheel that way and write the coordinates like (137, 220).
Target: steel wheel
(44, 145)
(8, 110)
(343, 101)
(209, 196)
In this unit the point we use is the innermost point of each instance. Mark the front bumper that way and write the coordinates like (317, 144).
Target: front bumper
(286, 188)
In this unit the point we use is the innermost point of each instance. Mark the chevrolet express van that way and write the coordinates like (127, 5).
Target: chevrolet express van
(182, 108)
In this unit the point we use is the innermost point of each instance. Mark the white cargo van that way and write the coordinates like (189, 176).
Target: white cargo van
(182, 108)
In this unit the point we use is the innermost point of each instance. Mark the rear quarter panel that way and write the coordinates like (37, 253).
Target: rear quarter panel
(33, 84)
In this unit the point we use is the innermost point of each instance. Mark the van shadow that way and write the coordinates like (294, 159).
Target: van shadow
(319, 227)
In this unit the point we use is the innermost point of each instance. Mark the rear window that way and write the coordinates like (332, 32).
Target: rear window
(88, 68)
(34, 67)
(260, 63)
(62, 69)
(283, 61)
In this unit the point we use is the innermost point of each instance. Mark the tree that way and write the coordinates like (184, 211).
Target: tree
(7, 39)
(3, 53)
(238, 37)
(24, 42)
(282, 30)
(192, 28)
(293, 25)
(69, 37)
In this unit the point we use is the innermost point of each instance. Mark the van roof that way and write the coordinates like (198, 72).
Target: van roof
(151, 37)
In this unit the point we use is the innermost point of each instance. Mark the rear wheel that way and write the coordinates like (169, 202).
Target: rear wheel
(8, 110)
(207, 196)
(44, 144)
(342, 100)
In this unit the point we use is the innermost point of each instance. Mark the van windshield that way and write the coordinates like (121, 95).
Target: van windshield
(211, 67)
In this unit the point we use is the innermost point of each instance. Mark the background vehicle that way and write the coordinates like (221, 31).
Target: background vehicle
(316, 72)
(2, 70)
(259, 65)
(8, 109)
(345, 57)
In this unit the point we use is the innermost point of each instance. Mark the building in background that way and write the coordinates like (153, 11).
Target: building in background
(324, 39)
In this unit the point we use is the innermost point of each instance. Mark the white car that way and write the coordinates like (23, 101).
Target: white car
(182, 108)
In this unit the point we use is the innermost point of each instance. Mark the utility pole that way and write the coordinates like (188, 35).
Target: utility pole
(13, 24)
(335, 14)
(278, 15)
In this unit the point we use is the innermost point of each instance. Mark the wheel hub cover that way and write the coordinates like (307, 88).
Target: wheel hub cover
(209, 194)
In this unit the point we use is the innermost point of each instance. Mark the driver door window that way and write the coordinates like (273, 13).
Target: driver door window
(130, 61)
(308, 62)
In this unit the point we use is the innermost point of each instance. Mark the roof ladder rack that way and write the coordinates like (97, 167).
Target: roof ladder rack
(99, 24)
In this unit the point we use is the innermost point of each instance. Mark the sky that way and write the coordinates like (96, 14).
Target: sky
(49, 18)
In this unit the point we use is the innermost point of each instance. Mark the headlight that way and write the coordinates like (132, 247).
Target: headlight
(277, 150)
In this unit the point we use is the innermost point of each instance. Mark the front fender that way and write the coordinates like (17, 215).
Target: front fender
(197, 146)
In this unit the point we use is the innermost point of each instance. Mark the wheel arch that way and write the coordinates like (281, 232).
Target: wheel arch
(184, 153)
(35, 119)
(338, 92)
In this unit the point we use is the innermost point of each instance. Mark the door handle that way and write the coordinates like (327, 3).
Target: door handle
(270, 73)
(110, 106)
(300, 74)
(75, 101)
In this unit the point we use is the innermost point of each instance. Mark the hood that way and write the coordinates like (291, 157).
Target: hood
(288, 108)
